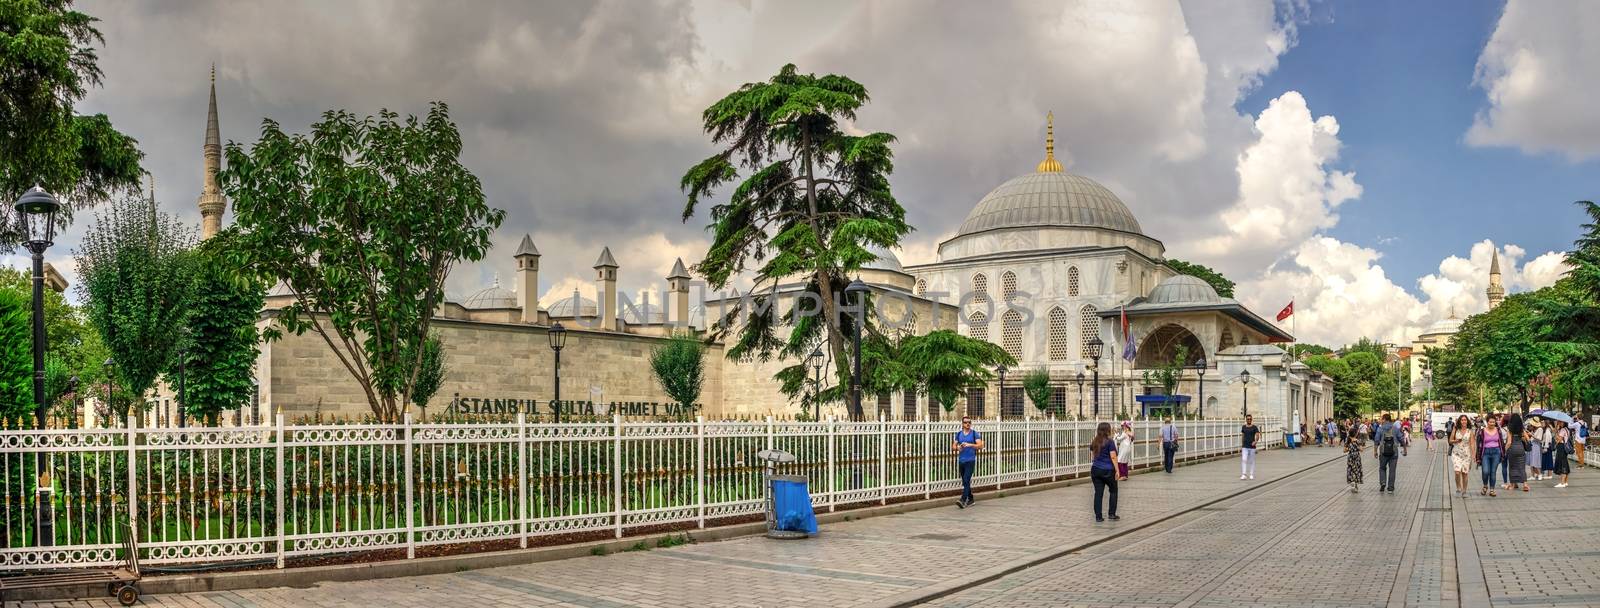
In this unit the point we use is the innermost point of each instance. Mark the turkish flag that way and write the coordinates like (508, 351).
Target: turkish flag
(1288, 311)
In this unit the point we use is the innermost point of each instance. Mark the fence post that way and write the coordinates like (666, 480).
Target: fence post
(927, 457)
(1075, 448)
(411, 496)
(1055, 425)
(522, 478)
(1027, 451)
(883, 461)
(616, 469)
(833, 463)
(999, 450)
(700, 469)
(277, 489)
(133, 480)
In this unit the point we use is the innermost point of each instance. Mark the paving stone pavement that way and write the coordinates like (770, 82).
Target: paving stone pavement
(1302, 541)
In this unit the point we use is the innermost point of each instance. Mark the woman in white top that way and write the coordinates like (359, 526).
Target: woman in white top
(1124, 451)
(1536, 450)
(1463, 451)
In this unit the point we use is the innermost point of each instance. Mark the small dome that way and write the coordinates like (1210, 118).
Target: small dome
(886, 260)
(644, 313)
(1184, 289)
(1443, 327)
(493, 296)
(1050, 199)
(563, 308)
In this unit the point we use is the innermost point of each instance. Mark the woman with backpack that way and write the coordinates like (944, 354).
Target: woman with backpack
(1516, 453)
(1462, 453)
(1491, 445)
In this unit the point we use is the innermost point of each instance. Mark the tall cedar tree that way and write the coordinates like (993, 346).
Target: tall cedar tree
(48, 63)
(812, 198)
(362, 220)
(135, 272)
(219, 361)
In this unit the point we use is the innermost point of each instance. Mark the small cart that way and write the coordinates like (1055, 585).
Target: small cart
(122, 582)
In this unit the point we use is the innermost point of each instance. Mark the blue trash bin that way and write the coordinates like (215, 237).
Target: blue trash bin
(791, 504)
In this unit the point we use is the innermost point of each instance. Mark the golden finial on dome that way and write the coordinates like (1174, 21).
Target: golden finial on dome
(1049, 164)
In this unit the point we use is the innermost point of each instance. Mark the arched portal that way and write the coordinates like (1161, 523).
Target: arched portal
(1161, 347)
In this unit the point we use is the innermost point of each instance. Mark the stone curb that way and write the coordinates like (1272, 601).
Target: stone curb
(943, 588)
(309, 576)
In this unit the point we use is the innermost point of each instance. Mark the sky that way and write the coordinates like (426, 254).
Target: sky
(1362, 158)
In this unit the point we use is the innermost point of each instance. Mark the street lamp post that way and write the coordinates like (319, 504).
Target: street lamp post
(558, 341)
(1001, 370)
(36, 217)
(816, 382)
(1244, 377)
(1080, 395)
(1095, 346)
(859, 290)
(1200, 369)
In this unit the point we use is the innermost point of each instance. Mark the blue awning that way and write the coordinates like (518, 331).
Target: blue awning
(1161, 399)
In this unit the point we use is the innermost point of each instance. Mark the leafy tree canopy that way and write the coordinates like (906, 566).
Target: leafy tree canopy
(431, 376)
(1301, 351)
(49, 61)
(362, 220)
(1504, 346)
(679, 366)
(220, 357)
(16, 359)
(1218, 282)
(1036, 383)
(946, 363)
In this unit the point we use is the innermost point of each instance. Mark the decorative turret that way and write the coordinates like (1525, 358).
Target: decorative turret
(678, 294)
(606, 273)
(1049, 164)
(1496, 291)
(527, 257)
(211, 202)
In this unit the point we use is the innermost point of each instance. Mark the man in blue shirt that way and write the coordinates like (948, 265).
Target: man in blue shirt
(1388, 443)
(1169, 444)
(966, 445)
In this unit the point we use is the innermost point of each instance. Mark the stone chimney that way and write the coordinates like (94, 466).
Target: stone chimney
(606, 273)
(678, 295)
(527, 257)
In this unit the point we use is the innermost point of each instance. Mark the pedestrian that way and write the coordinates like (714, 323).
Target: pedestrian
(1388, 445)
(1547, 451)
(1563, 469)
(1463, 451)
(1333, 432)
(1516, 452)
(1580, 439)
(1169, 443)
(1427, 433)
(1317, 432)
(1102, 471)
(1124, 450)
(1536, 449)
(1247, 448)
(1352, 463)
(966, 445)
(1491, 443)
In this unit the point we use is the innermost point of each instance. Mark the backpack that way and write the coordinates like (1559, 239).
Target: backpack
(1389, 448)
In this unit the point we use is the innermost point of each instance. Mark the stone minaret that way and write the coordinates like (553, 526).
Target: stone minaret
(606, 272)
(528, 279)
(1496, 291)
(211, 202)
(678, 294)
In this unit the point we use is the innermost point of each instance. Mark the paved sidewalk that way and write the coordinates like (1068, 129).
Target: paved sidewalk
(850, 563)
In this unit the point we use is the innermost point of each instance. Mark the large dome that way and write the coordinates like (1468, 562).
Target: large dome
(1050, 199)
(1184, 289)
(492, 297)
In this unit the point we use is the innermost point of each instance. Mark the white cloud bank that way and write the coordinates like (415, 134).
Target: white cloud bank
(1539, 71)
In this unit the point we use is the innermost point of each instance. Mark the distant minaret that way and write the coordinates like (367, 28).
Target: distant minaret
(211, 202)
(1496, 291)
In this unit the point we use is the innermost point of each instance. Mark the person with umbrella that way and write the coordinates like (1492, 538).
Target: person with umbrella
(1563, 439)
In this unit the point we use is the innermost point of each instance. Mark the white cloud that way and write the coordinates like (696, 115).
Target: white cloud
(1538, 72)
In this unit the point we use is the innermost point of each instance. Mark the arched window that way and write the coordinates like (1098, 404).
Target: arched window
(1227, 340)
(1089, 328)
(922, 286)
(980, 288)
(1060, 325)
(1011, 333)
(1008, 286)
(978, 326)
(1072, 281)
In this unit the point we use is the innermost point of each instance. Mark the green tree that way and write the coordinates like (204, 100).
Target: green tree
(1504, 347)
(362, 220)
(1036, 383)
(1168, 373)
(16, 358)
(813, 197)
(49, 61)
(680, 367)
(1570, 315)
(1218, 282)
(135, 276)
(68, 334)
(223, 342)
(1366, 345)
(431, 375)
(1346, 389)
(945, 364)
(1301, 351)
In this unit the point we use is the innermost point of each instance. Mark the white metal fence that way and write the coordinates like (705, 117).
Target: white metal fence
(275, 492)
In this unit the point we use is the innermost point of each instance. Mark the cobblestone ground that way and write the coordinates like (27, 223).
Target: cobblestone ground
(1301, 541)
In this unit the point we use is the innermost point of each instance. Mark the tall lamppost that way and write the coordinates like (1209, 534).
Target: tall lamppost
(1095, 346)
(816, 382)
(110, 367)
(36, 217)
(1244, 377)
(859, 290)
(1001, 370)
(558, 340)
(1080, 395)
(1200, 369)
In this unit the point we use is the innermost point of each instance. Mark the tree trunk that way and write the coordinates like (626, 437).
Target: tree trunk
(824, 280)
